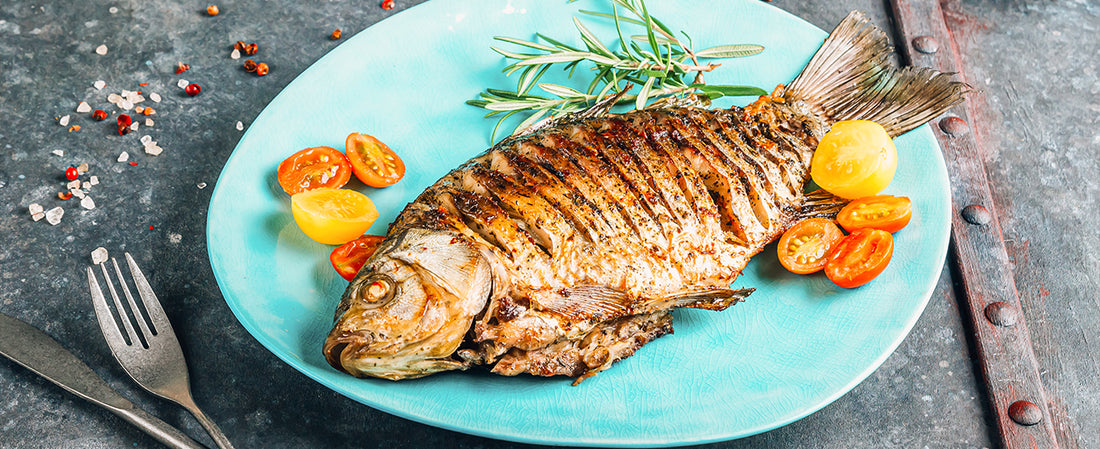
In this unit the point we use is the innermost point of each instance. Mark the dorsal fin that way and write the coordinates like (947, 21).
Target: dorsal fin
(851, 77)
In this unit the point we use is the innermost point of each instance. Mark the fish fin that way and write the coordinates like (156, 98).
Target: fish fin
(709, 299)
(586, 302)
(851, 77)
(819, 204)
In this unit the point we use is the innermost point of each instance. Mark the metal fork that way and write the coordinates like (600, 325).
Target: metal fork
(149, 352)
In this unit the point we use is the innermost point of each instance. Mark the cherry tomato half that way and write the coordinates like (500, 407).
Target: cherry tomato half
(886, 212)
(348, 258)
(312, 168)
(374, 163)
(859, 257)
(803, 248)
(856, 158)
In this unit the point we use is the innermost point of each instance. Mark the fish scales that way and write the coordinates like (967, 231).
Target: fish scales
(563, 250)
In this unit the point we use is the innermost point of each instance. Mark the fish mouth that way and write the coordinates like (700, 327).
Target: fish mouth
(340, 340)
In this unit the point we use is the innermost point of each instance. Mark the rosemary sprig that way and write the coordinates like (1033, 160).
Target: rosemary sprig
(658, 61)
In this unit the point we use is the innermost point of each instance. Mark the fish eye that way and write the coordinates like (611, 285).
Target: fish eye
(378, 288)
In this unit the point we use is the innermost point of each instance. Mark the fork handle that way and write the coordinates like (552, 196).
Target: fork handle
(208, 424)
(162, 431)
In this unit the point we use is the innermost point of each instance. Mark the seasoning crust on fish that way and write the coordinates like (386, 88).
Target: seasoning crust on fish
(563, 250)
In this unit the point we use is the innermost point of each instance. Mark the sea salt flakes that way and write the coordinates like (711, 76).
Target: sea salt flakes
(36, 211)
(182, 83)
(99, 85)
(155, 97)
(73, 185)
(124, 157)
(63, 121)
(77, 193)
(83, 107)
(53, 216)
(101, 50)
(99, 255)
(87, 203)
(148, 122)
(114, 98)
(240, 126)
(85, 185)
(82, 168)
(112, 10)
(125, 104)
(201, 185)
(139, 109)
(94, 180)
(146, 139)
(58, 152)
(235, 54)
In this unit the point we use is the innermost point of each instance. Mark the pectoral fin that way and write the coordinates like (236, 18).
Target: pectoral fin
(586, 302)
(709, 299)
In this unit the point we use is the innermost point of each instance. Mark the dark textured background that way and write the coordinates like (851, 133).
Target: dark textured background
(1033, 62)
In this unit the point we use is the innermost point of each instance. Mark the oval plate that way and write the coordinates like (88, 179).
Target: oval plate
(796, 345)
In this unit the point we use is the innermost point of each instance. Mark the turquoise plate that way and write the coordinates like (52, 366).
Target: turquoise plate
(796, 345)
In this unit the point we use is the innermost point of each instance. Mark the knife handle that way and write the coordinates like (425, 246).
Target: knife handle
(162, 431)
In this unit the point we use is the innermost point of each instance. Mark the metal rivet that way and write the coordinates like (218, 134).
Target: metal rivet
(926, 44)
(1025, 413)
(1002, 314)
(954, 126)
(976, 214)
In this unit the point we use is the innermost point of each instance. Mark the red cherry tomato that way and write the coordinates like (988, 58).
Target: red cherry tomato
(859, 257)
(374, 163)
(886, 212)
(348, 258)
(803, 248)
(312, 168)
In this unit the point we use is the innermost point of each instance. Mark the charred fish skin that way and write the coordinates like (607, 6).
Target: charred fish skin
(563, 250)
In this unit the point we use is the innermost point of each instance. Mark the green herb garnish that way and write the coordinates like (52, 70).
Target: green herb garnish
(657, 61)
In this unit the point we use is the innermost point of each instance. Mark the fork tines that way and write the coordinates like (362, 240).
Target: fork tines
(148, 317)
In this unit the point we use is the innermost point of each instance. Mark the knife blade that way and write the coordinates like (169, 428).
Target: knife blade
(33, 349)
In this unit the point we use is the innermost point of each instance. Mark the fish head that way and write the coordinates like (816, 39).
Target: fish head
(410, 306)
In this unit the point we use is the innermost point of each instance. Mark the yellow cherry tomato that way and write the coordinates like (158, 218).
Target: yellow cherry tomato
(856, 158)
(333, 216)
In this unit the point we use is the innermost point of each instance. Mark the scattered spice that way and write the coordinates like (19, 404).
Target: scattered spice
(101, 50)
(335, 34)
(83, 107)
(150, 227)
(212, 10)
(239, 46)
(387, 4)
(181, 67)
(99, 115)
(74, 128)
(71, 173)
(64, 195)
(251, 49)
(261, 69)
(249, 65)
(149, 111)
(133, 164)
(192, 89)
(143, 84)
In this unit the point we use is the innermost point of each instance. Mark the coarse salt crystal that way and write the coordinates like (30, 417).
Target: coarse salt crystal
(125, 93)
(85, 185)
(114, 98)
(94, 180)
(155, 97)
(101, 50)
(58, 152)
(235, 54)
(35, 208)
(63, 121)
(146, 139)
(77, 193)
(153, 150)
(100, 84)
(125, 104)
(112, 10)
(182, 83)
(240, 126)
(139, 109)
(82, 168)
(87, 203)
(124, 157)
(99, 255)
(38, 216)
(134, 126)
(53, 216)
(83, 107)
(201, 185)
(148, 122)
(73, 185)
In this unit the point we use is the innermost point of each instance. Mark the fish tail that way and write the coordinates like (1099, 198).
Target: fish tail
(851, 77)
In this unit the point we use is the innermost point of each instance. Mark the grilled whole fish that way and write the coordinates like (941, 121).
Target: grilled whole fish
(563, 250)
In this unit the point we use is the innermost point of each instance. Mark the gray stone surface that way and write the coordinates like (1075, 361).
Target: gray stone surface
(925, 395)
